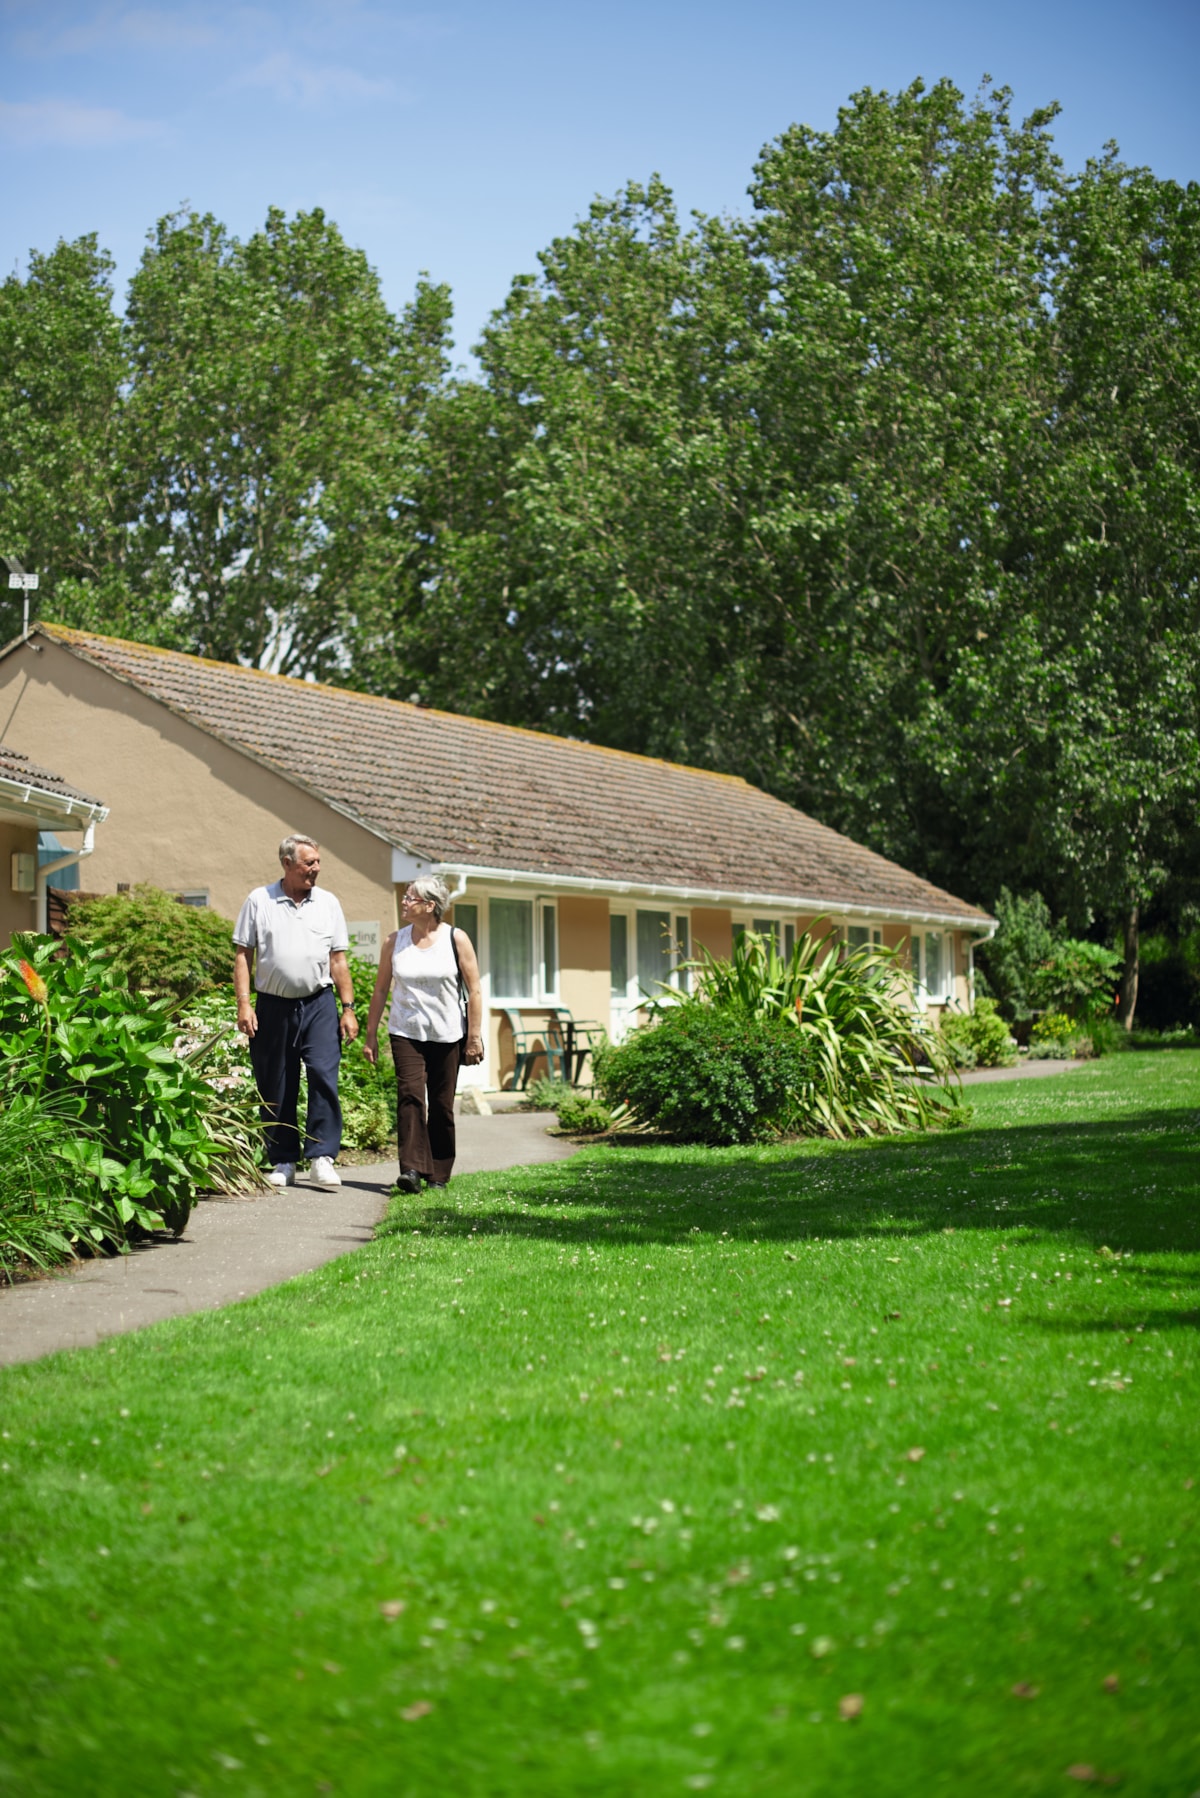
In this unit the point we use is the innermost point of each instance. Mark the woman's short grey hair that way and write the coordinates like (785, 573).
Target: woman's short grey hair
(433, 891)
(289, 846)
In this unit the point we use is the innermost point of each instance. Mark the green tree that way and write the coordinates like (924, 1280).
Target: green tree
(65, 492)
(581, 502)
(273, 399)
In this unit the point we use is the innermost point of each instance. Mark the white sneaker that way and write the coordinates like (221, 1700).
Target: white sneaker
(282, 1174)
(322, 1172)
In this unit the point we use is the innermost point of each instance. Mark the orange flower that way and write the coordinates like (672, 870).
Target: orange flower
(33, 980)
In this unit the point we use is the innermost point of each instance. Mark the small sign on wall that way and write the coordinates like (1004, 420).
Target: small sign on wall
(365, 939)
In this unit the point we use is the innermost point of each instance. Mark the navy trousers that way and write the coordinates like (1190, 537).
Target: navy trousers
(291, 1033)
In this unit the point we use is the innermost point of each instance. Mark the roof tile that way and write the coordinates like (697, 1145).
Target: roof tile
(467, 791)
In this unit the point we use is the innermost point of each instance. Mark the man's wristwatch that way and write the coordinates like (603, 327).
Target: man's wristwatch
(346, 1008)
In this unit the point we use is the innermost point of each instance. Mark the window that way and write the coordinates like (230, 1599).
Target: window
(681, 975)
(653, 951)
(858, 936)
(48, 850)
(914, 948)
(935, 964)
(789, 941)
(197, 896)
(549, 951)
(767, 928)
(466, 919)
(511, 923)
(618, 953)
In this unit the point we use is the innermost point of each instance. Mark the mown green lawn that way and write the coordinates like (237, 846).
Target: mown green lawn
(630, 1474)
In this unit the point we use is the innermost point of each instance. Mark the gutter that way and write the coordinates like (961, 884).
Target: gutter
(53, 807)
(463, 872)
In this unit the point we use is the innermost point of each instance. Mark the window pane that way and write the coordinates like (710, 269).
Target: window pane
(683, 979)
(550, 948)
(512, 948)
(49, 849)
(466, 919)
(915, 955)
(935, 973)
(618, 953)
(766, 927)
(653, 949)
(858, 936)
(789, 940)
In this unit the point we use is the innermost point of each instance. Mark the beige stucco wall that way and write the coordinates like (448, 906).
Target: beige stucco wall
(712, 929)
(185, 811)
(17, 909)
(583, 950)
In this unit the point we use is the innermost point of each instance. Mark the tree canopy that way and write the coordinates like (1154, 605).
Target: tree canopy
(884, 495)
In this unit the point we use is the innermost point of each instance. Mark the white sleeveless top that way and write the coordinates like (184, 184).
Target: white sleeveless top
(425, 1003)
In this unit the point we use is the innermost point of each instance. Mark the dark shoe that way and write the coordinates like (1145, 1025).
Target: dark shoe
(409, 1181)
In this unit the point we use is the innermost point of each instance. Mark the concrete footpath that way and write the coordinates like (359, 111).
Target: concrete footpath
(235, 1247)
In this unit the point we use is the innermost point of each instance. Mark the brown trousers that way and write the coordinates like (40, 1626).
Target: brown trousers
(426, 1076)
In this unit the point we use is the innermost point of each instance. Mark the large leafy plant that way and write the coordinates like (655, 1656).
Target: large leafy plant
(873, 1062)
(817, 1042)
(135, 1121)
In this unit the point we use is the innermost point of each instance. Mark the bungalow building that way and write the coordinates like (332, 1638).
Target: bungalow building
(35, 806)
(585, 876)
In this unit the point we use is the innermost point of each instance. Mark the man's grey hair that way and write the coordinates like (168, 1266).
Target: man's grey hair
(433, 891)
(289, 846)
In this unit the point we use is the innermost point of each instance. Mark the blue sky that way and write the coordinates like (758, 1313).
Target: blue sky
(461, 137)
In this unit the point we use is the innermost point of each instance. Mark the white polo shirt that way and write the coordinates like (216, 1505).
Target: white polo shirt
(292, 941)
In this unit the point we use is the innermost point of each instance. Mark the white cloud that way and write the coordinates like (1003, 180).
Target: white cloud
(147, 27)
(68, 122)
(311, 84)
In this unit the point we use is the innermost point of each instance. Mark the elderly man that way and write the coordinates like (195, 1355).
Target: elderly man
(291, 941)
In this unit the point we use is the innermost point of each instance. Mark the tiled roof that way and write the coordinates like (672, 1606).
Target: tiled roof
(18, 767)
(463, 791)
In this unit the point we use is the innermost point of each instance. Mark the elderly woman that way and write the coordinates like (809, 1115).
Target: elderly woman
(427, 964)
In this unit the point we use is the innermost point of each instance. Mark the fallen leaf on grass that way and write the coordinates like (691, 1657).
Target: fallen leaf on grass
(413, 1712)
(331, 1667)
(1081, 1771)
(391, 1608)
(821, 1646)
(1023, 1689)
(850, 1706)
(1111, 1683)
(915, 1454)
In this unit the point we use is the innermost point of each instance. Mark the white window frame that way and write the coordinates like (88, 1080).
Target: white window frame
(925, 994)
(543, 993)
(550, 990)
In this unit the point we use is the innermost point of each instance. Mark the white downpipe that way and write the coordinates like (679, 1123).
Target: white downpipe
(62, 861)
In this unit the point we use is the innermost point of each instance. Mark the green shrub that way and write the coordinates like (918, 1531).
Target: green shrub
(134, 1117)
(1079, 979)
(42, 1221)
(1007, 963)
(979, 1038)
(155, 944)
(1052, 1027)
(705, 1073)
(580, 1113)
(1181, 1038)
(546, 1094)
(873, 1061)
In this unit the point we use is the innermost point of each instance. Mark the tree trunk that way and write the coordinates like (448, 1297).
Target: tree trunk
(1129, 973)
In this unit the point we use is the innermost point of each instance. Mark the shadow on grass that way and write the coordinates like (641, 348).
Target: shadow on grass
(1132, 1185)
